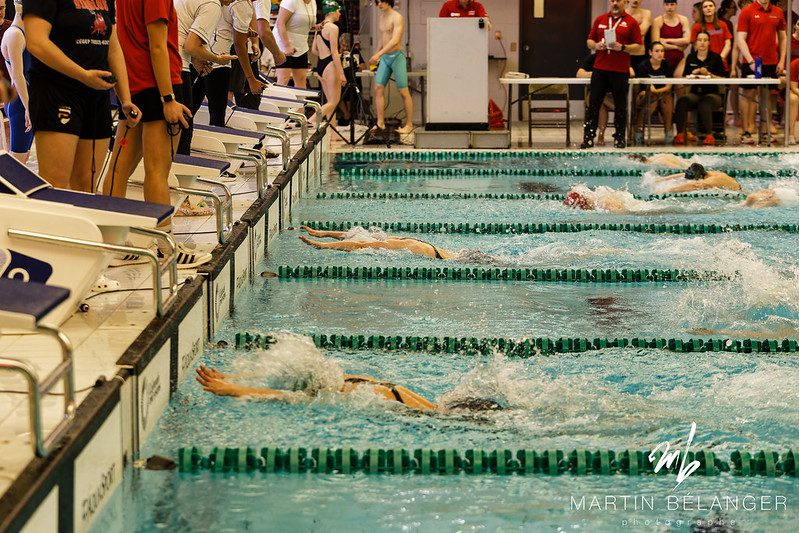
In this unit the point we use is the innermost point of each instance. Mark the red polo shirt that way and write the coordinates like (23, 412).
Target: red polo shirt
(627, 32)
(795, 70)
(761, 27)
(452, 8)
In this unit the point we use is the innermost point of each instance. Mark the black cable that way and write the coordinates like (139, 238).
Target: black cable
(95, 295)
(116, 159)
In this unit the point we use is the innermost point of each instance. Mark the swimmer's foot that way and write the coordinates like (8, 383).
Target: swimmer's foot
(408, 128)
(311, 232)
(309, 242)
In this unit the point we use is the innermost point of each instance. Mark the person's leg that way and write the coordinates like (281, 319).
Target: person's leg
(604, 115)
(157, 146)
(185, 98)
(681, 113)
(56, 156)
(705, 108)
(125, 157)
(380, 101)
(19, 140)
(407, 101)
(216, 88)
(597, 91)
(667, 109)
(283, 75)
(332, 88)
(748, 108)
(344, 246)
(89, 157)
(322, 233)
(794, 116)
(298, 75)
(619, 87)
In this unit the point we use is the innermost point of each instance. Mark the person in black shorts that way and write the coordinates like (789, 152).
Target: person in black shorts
(76, 60)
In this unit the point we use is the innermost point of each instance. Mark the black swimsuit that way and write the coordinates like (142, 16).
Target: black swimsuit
(322, 64)
(390, 386)
(435, 248)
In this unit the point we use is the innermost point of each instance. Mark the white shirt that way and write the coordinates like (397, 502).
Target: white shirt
(235, 18)
(263, 9)
(199, 17)
(298, 26)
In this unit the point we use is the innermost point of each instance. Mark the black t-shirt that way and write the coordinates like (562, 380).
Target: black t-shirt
(713, 63)
(644, 69)
(80, 28)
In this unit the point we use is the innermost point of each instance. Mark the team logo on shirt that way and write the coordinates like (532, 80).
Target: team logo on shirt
(64, 114)
(99, 27)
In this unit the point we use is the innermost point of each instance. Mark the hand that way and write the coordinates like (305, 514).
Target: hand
(780, 69)
(210, 372)
(280, 58)
(289, 51)
(256, 53)
(132, 121)
(224, 59)
(601, 45)
(617, 47)
(343, 78)
(256, 86)
(375, 59)
(28, 125)
(212, 381)
(94, 79)
(174, 113)
(316, 27)
(202, 67)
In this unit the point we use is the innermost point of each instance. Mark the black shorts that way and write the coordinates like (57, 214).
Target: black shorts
(295, 62)
(149, 103)
(769, 71)
(60, 108)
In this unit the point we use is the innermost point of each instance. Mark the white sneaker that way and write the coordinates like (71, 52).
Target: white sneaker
(189, 257)
(103, 284)
(121, 260)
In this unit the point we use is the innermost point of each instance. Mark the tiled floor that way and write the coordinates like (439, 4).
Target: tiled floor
(102, 333)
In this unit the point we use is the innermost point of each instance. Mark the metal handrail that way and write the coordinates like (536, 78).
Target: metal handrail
(303, 122)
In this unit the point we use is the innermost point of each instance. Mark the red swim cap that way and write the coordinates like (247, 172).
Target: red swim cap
(575, 199)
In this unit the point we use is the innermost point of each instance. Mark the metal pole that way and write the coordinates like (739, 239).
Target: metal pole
(787, 111)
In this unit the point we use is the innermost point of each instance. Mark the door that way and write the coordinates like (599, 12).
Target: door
(552, 36)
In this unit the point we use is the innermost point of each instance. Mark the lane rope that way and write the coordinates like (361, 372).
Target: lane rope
(353, 172)
(504, 196)
(368, 156)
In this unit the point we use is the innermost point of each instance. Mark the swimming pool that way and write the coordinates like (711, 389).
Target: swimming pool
(617, 398)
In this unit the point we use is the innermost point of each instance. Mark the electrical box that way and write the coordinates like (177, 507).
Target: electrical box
(457, 74)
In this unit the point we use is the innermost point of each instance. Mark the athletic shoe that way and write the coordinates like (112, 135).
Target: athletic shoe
(690, 137)
(709, 140)
(679, 139)
(669, 137)
(103, 284)
(189, 257)
(587, 143)
(201, 209)
(121, 260)
(620, 143)
(746, 138)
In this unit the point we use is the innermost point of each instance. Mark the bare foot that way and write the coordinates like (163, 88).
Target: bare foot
(311, 232)
(380, 126)
(309, 242)
(408, 128)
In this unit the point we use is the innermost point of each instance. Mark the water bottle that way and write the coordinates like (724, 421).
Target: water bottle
(758, 68)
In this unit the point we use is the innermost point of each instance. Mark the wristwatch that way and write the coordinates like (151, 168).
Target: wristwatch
(167, 98)
(623, 47)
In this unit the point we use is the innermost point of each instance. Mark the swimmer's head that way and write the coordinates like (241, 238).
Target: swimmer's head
(474, 404)
(638, 157)
(577, 200)
(695, 172)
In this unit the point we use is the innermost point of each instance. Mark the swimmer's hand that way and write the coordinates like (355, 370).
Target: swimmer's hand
(212, 380)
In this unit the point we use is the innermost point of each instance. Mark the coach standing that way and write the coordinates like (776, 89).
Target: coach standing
(614, 37)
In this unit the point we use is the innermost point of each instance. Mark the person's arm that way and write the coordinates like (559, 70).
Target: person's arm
(742, 32)
(783, 38)
(240, 45)
(794, 87)
(195, 47)
(687, 187)
(683, 42)
(116, 62)
(646, 23)
(283, 16)
(582, 73)
(268, 39)
(37, 31)
(725, 52)
(214, 382)
(14, 46)
(159, 57)
(656, 25)
(680, 70)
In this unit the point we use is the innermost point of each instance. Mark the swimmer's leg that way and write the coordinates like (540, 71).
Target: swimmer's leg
(413, 400)
(344, 246)
(320, 233)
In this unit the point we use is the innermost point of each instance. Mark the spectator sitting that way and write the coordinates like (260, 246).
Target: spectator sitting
(794, 96)
(720, 36)
(705, 98)
(660, 95)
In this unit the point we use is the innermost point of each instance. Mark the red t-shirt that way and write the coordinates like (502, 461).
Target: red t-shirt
(717, 36)
(761, 27)
(133, 16)
(452, 8)
(794, 47)
(795, 70)
(627, 32)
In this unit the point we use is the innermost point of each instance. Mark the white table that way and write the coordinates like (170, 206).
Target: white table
(542, 83)
(761, 85)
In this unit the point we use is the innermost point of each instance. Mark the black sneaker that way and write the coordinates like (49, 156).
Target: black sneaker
(587, 143)
(619, 143)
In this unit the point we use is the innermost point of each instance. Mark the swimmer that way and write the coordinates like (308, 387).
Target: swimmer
(355, 240)
(216, 382)
(662, 160)
(772, 197)
(601, 199)
(697, 178)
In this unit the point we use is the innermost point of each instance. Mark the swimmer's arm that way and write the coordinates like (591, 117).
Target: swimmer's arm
(356, 376)
(669, 177)
(687, 187)
(214, 381)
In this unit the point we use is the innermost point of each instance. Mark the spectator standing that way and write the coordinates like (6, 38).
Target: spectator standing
(727, 10)
(263, 11)
(720, 37)
(18, 59)
(614, 36)
(644, 19)
(464, 8)
(705, 98)
(295, 19)
(197, 20)
(760, 34)
(584, 71)
(660, 96)
(390, 59)
(76, 60)
(674, 31)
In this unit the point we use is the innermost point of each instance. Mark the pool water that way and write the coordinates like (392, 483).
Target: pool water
(614, 398)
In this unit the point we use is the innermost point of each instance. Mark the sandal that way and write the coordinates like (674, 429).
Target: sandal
(103, 284)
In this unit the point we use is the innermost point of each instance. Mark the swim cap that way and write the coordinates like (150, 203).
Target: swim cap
(328, 6)
(695, 172)
(575, 199)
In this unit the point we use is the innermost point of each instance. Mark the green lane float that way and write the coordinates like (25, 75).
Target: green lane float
(566, 275)
(373, 156)
(500, 228)
(524, 347)
(355, 172)
(503, 196)
(474, 461)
